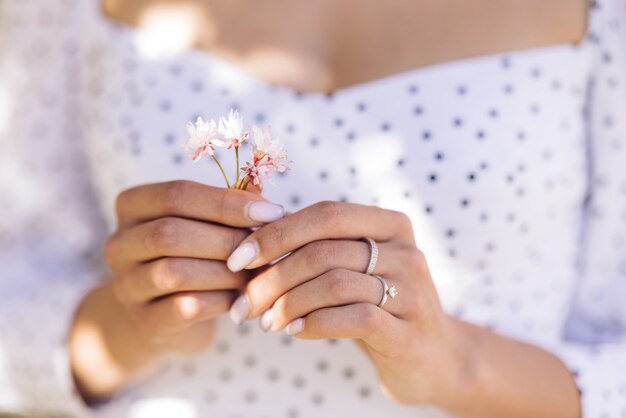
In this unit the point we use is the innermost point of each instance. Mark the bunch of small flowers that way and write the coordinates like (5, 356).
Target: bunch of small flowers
(268, 154)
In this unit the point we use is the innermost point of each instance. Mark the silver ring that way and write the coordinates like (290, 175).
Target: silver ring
(388, 292)
(371, 265)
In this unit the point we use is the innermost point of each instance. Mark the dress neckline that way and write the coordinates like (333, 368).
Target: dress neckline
(131, 32)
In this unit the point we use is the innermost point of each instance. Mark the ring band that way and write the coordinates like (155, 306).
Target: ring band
(371, 265)
(388, 292)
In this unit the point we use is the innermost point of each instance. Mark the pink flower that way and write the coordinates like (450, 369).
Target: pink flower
(270, 152)
(231, 130)
(268, 156)
(254, 172)
(203, 136)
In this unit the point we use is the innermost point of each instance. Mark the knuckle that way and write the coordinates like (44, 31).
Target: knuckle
(319, 253)
(331, 211)
(402, 219)
(174, 195)
(186, 308)
(122, 200)
(110, 250)
(368, 317)
(340, 282)
(163, 234)
(273, 234)
(166, 275)
(220, 202)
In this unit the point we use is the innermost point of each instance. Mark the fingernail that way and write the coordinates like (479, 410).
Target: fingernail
(295, 327)
(265, 322)
(242, 256)
(265, 211)
(240, 310)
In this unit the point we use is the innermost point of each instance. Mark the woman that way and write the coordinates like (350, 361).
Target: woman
(477, 146)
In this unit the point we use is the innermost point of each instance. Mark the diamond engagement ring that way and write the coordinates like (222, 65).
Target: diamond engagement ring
(371, 265)
(388, 292)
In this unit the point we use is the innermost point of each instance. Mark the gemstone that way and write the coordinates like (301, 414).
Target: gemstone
(392, 292)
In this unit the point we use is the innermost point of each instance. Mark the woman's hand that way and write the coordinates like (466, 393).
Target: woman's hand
(168, 262)
(422, 355)
(168, 256)
(320, 291)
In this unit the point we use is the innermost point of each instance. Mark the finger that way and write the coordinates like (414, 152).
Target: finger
(168, 275)
(255, 188)
(363, 321)
(175, 313)
(336, 288)
(314, 260)
(326, 220)
(172, 237)
(192, 340)
(186, 199)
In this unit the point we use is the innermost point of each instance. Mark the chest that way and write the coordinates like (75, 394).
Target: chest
(328, 45)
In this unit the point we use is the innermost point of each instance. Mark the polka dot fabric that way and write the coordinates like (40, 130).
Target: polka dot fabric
(510, 167)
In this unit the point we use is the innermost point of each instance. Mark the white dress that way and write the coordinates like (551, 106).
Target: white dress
(511, 167)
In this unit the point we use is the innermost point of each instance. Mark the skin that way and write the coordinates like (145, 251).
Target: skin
(327, 45)
(169, 281)
(422, 355)
(168, 256)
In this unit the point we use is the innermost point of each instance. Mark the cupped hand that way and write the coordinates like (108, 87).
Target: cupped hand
(319, 290)
(168, 257)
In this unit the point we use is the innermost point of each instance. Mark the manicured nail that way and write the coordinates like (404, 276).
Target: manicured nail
(240, 310)
(295, 327)
(265, 211)
(242, 256)
(265, 322)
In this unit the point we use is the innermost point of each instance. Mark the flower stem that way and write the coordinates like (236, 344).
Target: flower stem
(245, 182)
(222, 170)
(237, 166)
